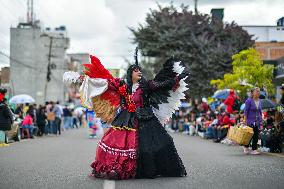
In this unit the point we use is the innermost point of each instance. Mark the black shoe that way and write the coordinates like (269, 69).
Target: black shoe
(216, 140)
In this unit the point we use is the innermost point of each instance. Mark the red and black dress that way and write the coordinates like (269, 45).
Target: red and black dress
(137, 145)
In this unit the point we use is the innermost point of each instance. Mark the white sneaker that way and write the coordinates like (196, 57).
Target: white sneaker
(246, 150)
(255, 152)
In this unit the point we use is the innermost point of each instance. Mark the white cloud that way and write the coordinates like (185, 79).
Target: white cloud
(100, 26)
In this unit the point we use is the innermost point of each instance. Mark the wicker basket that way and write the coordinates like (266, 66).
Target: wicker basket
(244, 135)
(232, 133)
(241, 135)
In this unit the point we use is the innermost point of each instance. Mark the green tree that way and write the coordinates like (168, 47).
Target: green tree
(248, 71)
(204, 44)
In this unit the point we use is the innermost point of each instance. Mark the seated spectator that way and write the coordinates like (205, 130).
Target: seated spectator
(269, 120)
(265, 134)
(27, 125)
(209, 131)
(220, 131)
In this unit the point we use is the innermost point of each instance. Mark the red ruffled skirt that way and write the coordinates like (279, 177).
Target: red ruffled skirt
(116, 155)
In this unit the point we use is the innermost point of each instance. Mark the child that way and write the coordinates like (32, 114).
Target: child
(94, 124)
(90, 118)
(186, 125)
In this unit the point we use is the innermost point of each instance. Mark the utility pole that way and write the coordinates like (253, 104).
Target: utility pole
(195, 6)
(48, 67)
(32, 11)
(28, 11)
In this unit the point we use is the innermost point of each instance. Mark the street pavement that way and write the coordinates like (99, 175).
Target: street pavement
(63, 162)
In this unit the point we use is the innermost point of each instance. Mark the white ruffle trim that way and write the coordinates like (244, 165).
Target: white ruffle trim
(131, 153)
(71, 77)
(92, 87)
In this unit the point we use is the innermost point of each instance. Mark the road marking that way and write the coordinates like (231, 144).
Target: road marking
(109, 184)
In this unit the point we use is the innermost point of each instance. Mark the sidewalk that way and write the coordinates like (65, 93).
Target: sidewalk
(281, 155)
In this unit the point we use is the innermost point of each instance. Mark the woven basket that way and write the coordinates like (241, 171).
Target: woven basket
(232, 133)
(241, 135)
(244, 135)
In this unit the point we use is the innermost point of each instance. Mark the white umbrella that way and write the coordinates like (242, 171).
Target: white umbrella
(21, 99)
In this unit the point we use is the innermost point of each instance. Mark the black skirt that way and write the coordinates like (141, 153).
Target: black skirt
(157, 155)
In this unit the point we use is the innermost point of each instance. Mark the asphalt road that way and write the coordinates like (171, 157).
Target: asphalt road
(63, 162)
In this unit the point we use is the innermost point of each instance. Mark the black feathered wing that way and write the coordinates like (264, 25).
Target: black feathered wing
(163, 98)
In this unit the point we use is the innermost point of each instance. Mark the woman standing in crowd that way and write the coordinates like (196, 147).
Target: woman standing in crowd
(67, 118)
(41, 119)
(253, 117)
(6, 116)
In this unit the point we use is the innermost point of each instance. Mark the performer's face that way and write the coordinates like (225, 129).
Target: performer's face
(136, 75)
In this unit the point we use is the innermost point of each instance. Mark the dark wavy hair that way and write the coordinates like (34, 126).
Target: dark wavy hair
(129, 76)
(3, 91)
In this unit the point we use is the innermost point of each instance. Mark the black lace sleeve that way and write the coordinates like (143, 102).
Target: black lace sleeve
(158, 85)
(165, 81)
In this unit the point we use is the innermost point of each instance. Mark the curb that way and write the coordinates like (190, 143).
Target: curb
(281, 155)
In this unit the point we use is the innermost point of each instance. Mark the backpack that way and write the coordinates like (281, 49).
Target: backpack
(236, 105)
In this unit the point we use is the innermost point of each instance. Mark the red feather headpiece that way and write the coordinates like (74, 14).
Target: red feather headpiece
(96, 70)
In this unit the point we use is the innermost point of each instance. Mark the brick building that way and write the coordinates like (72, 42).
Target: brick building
(5, 75)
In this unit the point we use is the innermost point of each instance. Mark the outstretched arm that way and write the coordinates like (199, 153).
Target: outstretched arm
(98, 90)
(170, 84)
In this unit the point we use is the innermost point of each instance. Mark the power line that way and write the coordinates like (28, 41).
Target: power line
(19, 6)
(21, 63)
(8, 10)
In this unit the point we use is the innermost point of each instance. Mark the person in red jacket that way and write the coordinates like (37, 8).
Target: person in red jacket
(227, 121)
(28, 124)
(230, 101)
(224, 123)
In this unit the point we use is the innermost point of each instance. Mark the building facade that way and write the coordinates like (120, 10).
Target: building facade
(35, 55)
(76, 61)
(269, 42)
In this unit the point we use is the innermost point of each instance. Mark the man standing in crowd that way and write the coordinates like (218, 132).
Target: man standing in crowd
(58, 115)
(67, 118)
(19, 111)
(41, 119)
